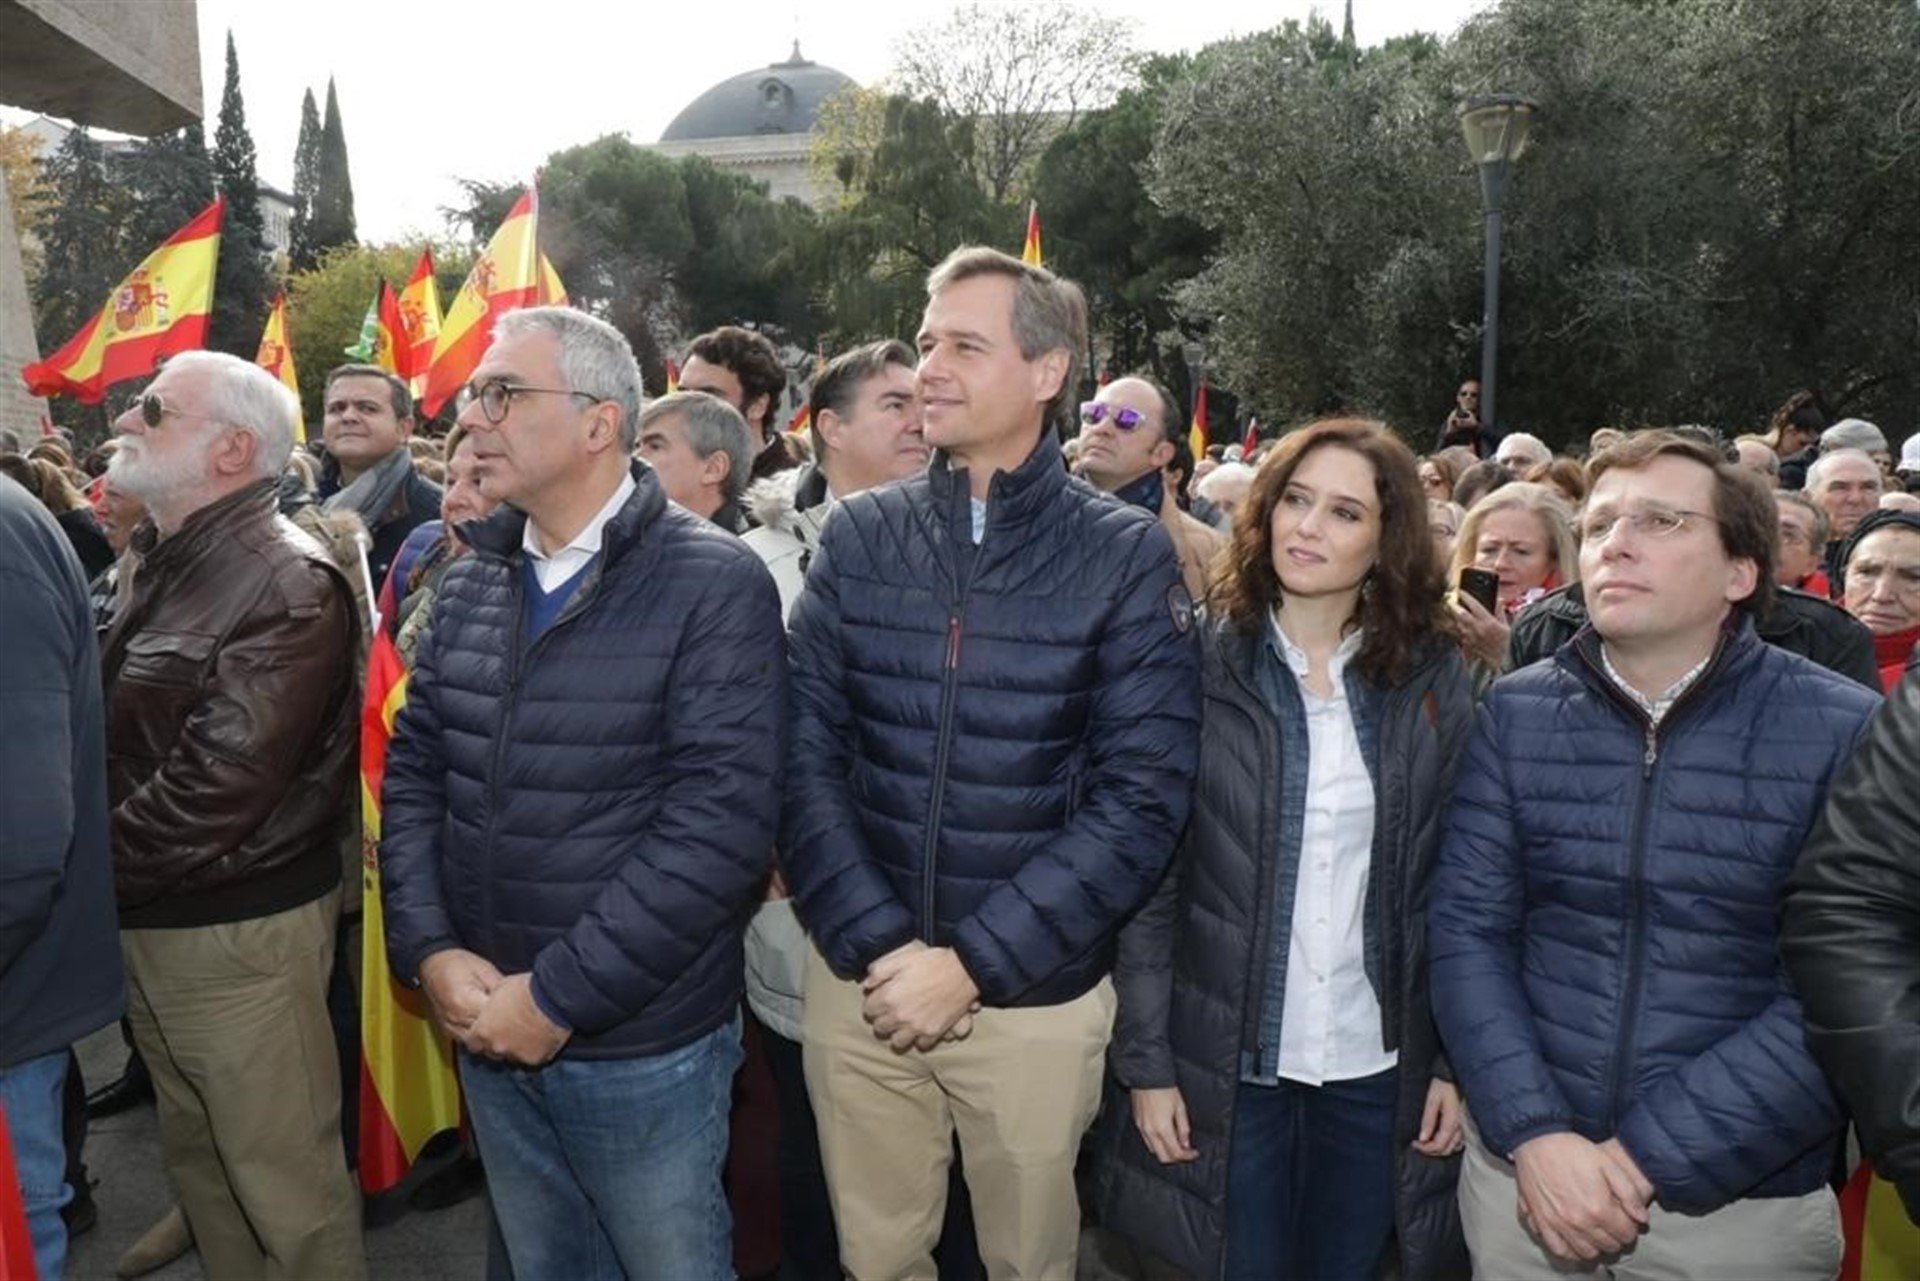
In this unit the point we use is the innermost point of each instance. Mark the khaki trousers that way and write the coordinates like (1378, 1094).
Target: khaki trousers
(1020, 1092)
(1781, 1238)
(232, 1020)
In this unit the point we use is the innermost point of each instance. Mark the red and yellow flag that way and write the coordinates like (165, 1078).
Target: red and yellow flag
(1881, 1241)
(161, 308)
(383, 335)
(802, 420)
(673, 376)
(420, 317)
(1252, 441)
(550, 293)
(408, 1089)
(1197, 429)
(276, 357)
(1030, 252)
(16, 1245)
(505, 276)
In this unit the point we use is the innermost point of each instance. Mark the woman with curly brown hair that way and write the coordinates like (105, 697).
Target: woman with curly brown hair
(1288, 1102)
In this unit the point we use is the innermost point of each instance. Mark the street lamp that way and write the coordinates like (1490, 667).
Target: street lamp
(1496, 131)
(1195, 354)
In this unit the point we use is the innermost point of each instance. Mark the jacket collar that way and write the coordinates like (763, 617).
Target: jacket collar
(213, 523)
(1016, 496)
(498, 536)
(1739, 648)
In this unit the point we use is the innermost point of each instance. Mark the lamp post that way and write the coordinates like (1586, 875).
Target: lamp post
(1496, 131)
(1195, 354)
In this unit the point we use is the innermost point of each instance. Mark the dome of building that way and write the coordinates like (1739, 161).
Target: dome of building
(782, 97)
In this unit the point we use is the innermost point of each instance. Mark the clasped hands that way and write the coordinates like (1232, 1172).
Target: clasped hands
(490, 1014)
(918, 996)
(1581, 1199)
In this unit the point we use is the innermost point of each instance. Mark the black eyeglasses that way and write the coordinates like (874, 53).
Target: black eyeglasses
(153, 411)
(1125, 419)
(496, 397)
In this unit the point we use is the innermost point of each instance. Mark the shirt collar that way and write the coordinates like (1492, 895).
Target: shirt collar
(1655, 708)
(587, 541)
(1296, 657)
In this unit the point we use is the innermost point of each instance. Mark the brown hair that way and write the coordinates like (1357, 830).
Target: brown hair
(1743, 506)
(1403, 601)
(752, 358)
(1566, 475)
(1049, 312)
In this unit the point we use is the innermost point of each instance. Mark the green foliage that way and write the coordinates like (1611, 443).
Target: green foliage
(1101, 228)
(326, 304)
(1719, 206)
(171, 176)
(662, 248)
(242, 289)
(332, 215)
(78, 220)
(303, 254)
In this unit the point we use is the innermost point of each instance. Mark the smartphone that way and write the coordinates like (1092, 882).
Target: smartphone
(1481, 584)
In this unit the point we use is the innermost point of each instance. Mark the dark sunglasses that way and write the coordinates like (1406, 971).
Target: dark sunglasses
(1125, 419)
(154, 411)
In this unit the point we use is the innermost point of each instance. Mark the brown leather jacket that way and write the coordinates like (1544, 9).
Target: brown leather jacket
(231, 721)
(1198, 545)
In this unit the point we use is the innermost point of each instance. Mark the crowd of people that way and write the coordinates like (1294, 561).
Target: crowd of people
(1489, 858)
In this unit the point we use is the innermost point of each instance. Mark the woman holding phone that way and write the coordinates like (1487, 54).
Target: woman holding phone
(1288, 1102)
(1521, 534)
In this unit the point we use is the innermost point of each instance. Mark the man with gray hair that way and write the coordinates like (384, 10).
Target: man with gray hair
(1522, 451)
(578, 813)
(699, 447)
(1847, 483)
(231, 735)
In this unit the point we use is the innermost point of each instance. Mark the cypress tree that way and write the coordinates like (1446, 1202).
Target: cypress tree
(241, 288)
(79, 225)
(171, 175)
(333, 189)
(306, 184)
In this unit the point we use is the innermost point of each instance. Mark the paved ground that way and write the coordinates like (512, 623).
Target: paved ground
(123, 1158)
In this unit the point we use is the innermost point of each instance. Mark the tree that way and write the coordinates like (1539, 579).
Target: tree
(77, 221)
(242, 288)
(326, 304)
(302, 254)
(171, 177)
(20, 170)
(1104, 231)
(332, 217)
(909, 203)
(1021, 73)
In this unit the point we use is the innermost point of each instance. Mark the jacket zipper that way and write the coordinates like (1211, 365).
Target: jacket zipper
(1270, 763)
(1637, 869)
(943, 730)
(509, 701)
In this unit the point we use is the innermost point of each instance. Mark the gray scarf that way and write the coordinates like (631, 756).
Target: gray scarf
(373, 493)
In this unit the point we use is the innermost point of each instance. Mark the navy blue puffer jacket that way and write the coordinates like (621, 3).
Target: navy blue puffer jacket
(599, 810)
(1605, 922)
(993, 748)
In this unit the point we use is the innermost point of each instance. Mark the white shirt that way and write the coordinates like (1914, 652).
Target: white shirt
(1330, 1019)
(569, 560)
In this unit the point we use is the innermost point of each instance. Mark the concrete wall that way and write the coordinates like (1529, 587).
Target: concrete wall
(132, 66)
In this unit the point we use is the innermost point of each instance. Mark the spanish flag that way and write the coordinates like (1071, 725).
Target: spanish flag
(1882, 1243)
(505, 276)
(802, 420)
(1030, 252)
(161, 308)
(1252, 441)
(420, 318)
(408, 1090)
(383, 335)
(1197, 429)
(673, 376)
(276, 357)
(551, 293)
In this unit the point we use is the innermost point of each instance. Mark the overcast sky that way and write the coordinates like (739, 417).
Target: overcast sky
(487, 89)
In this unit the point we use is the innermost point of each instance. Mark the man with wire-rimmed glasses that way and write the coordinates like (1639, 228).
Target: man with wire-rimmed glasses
(579, 809)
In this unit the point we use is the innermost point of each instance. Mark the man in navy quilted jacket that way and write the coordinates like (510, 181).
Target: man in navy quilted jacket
(1604, 925)
(578, 814)
(996, 703)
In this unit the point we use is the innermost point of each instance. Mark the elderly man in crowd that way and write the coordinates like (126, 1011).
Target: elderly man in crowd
(1847, 484)
(699, 447)
(230, 749)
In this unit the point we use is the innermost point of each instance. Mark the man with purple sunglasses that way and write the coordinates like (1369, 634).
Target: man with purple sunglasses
(1128, 437)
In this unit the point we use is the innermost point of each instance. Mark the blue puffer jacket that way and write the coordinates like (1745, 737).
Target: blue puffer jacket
(1605, 921)
(993, 747)
(599, 810)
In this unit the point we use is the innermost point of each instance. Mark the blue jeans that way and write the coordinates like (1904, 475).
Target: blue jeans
(610, 1168)
(30, 1093)
(1310, 1180)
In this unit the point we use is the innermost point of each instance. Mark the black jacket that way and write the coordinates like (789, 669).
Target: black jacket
(1852, 939)
(59, 942)
(993, 745)
(417, 503)
(1798, 623)
(1193, 964)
